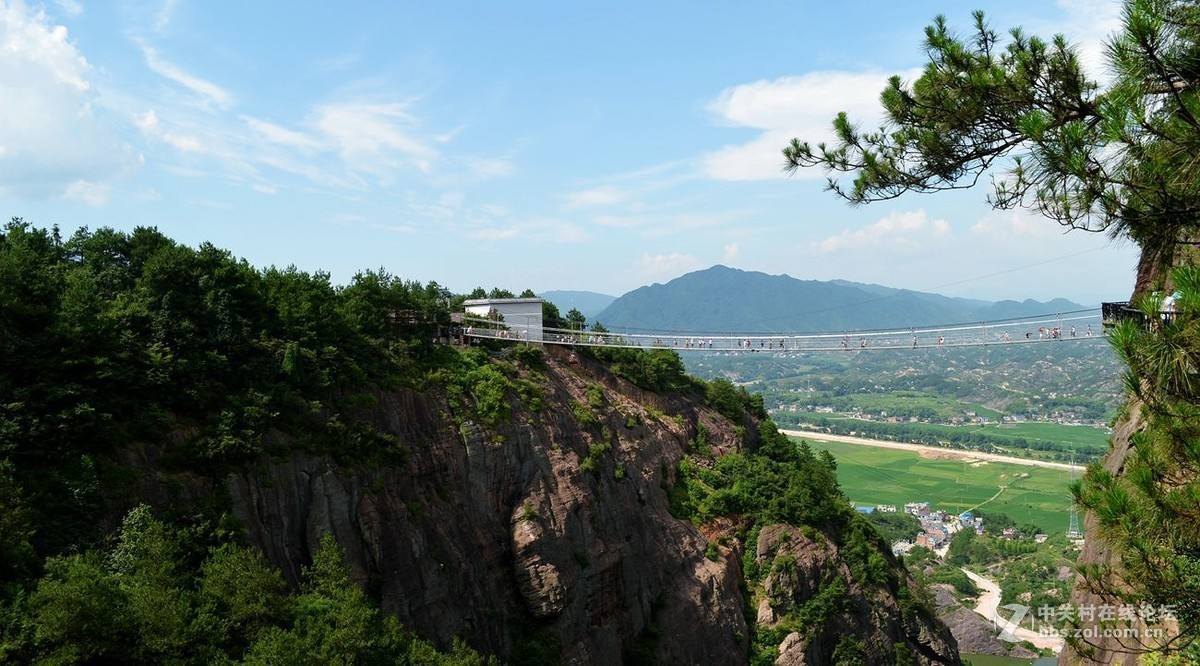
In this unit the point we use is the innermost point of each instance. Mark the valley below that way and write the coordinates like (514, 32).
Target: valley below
(980, 531)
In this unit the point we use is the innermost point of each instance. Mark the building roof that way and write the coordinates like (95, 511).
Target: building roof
(499, 301)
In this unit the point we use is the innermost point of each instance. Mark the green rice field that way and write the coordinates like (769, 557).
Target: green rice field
(872, 475)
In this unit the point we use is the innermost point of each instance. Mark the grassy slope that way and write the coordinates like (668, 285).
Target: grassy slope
(881, 476)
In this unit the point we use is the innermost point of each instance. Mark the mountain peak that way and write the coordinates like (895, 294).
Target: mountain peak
(723, 298)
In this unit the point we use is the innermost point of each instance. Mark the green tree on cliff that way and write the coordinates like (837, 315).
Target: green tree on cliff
(1023, 111)
(1117, 157)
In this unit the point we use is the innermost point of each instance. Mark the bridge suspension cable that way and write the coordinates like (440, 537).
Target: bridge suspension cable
(1076, 326)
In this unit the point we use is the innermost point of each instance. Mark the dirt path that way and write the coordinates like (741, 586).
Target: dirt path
(988, 606)
(998, 493)
(924, 449)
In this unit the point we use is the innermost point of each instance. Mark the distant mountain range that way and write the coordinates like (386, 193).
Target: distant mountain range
(727, 299)
(589, 303)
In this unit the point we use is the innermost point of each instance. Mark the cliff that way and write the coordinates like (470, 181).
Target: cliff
(1097, 643)
(204, 461)
(1097, 649)
(551, 536)
(974, 634)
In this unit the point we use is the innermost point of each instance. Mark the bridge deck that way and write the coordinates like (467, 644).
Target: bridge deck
(1047, 329)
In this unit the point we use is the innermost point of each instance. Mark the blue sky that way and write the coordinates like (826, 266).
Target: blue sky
(547, 145)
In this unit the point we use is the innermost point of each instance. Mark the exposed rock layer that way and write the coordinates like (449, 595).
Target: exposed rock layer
(507, 540)
(502, 539)
(974, 634)
(870, 617)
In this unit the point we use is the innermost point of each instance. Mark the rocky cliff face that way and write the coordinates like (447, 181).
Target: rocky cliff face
(974, 634)
(1098, 649)
(548, 539)
(1153, 272)
(872, 618)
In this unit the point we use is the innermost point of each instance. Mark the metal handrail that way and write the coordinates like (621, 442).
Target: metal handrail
(1112, 313)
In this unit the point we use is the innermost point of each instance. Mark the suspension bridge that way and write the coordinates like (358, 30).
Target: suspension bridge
(1079, 326)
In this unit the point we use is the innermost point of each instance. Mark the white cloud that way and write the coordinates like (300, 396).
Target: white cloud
(90, 193)
(546, 230)
(71, 8)
(667, 265)
(374, 137)
(804, 106)
(792, 106)
(898, 231)
(729, 253)
(51, 130)
(150, 125)
(208, 91)
(31, 41)
(490, 167)
(605, 195)
(281, 135)
(337, 145)
(1087, 24)
(162, 18)
(147, 122)
(1016, 223)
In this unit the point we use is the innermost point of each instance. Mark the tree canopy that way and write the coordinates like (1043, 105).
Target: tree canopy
(1114, 156)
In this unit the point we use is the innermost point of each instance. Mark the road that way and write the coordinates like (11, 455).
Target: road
(988, 606)
(934, 450)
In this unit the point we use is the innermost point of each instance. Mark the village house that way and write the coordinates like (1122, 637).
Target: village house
(917, 508)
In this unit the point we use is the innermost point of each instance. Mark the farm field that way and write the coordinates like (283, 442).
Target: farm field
(1078, 436)
(871, 475)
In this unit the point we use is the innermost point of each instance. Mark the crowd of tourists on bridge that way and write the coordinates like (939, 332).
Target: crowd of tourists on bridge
(773, 343)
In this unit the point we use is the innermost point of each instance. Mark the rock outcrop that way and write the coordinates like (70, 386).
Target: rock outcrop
(1096, 647)
(1153, 272)
(550, 538)
(504, 539)
(800, 564)
(974, 634)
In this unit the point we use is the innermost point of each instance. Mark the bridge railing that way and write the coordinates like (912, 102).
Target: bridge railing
(1119, 311)
(1003, 332)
